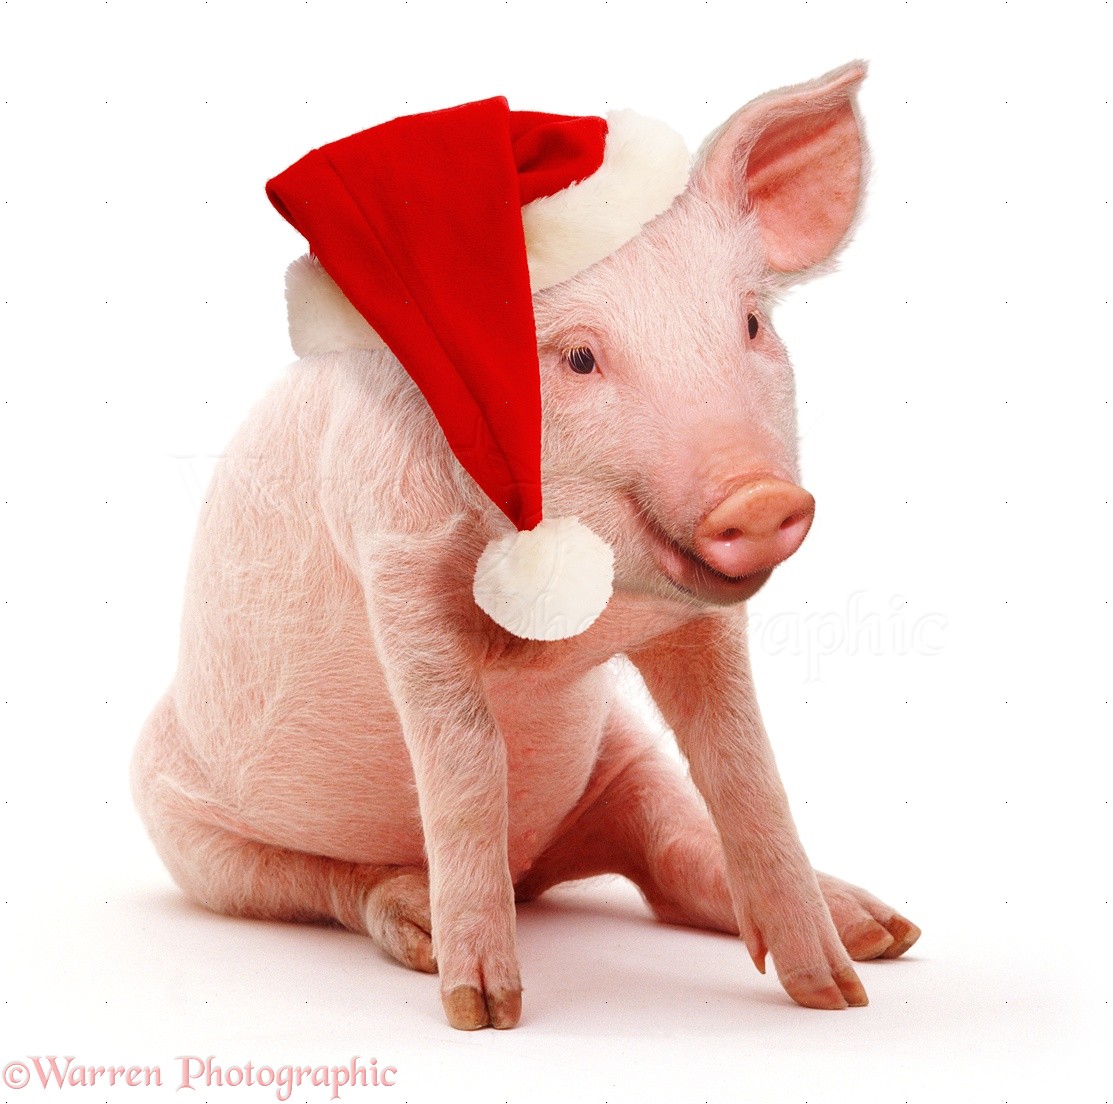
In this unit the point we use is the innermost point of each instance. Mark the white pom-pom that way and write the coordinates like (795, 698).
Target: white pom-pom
(549, 583)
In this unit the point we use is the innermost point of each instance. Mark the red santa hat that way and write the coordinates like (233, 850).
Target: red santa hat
(433, 231)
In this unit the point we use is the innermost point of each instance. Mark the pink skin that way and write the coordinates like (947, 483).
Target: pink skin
(349, 738)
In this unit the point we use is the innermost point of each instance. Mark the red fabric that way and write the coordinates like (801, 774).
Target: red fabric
(553, 151)
(419, 223)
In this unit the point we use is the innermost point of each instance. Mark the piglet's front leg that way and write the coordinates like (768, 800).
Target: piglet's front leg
(700, 677)
(459, 764)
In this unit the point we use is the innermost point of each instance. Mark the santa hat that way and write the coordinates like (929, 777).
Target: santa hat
(436, 229)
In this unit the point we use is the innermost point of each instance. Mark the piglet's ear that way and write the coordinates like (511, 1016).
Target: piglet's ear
(796, 158)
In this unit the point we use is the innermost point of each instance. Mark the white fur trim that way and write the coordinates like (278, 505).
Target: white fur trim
(320, 318)
(645, 167)
(548, 583)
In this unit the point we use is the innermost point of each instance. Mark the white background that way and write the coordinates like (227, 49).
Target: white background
(934, 665)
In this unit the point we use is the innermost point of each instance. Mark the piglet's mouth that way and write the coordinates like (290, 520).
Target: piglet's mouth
(686, 571)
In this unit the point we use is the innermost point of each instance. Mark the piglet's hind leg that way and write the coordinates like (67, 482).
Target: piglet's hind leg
(228, 872)
(641, 818)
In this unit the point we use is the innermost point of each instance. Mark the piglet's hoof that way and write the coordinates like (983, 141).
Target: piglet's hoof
(469, 1009)
(825, 988)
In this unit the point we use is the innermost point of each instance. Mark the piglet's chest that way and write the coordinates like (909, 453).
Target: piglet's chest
(553, 730)
(552, 700)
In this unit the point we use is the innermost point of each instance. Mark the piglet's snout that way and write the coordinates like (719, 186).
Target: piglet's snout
(755, 527)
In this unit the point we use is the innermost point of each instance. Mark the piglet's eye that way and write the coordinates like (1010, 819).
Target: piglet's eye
(752, 325)
(581, 359)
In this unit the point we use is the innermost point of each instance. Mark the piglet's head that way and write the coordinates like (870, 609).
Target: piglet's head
(669, 407)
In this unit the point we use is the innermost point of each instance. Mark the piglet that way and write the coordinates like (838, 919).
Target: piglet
(349, 738)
